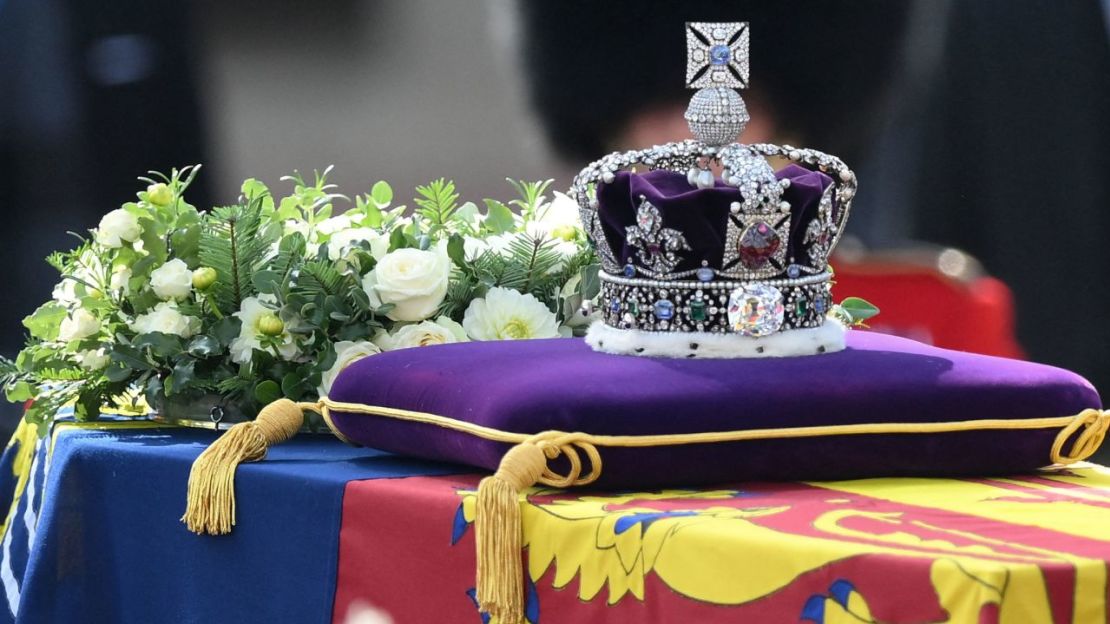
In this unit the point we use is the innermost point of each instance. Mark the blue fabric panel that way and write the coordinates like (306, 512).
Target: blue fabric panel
(110, 548)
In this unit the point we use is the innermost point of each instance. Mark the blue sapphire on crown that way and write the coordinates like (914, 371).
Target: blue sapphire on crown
(720, 54)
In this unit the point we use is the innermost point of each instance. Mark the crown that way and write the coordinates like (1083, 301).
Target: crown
(699, 265)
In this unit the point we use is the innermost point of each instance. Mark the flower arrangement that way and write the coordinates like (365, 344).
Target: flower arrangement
(271, 297)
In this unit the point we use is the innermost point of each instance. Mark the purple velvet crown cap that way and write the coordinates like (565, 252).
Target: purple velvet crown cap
(701, 215)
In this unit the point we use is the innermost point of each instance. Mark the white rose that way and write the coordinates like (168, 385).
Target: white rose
(505, 314)
(423, 334)
(121, 277)
(414, 281)
(166, 318)
(92, 360)
(253, 310)
(77, 325)
(346, 353)
(118, 226)
(341, 242)
(172, 280)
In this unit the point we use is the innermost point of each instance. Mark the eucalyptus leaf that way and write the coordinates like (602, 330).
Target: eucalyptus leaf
(397, 239)
(456, 250)
(267, 392)
(226, 329)
(858, 309)
(203, 346)
(160, 345)
(591, 282)
(267, 282)
(292, 386)
(381, 194)
(186, 244)
(499, 218)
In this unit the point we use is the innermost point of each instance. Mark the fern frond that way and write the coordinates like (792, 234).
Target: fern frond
(437, 201)
(232, 243)
(460, 292)
(322, 277)
(529, 264)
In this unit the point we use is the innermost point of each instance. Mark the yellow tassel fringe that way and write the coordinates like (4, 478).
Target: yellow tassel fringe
(210, 506)
(497, 532)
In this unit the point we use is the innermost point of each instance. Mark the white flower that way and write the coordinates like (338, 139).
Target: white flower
(341, 242)
(87, 272)
(92, 360)
(334, 224)
(473, 248)
(65, 292)
(505, 314)
(253, 310)
(118, 226)
(500, 243)
(558, 214)
(172, 280)
(166, 318)
(414, 281)
(121, 277)
(77, 325)
(346, 353)
(296, 226)
(423, 334)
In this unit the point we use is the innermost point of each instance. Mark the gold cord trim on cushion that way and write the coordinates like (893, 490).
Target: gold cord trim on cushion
(1089, 417)
(500, 592)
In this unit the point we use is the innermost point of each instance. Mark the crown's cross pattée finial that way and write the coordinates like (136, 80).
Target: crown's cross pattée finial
(717, 63)
(717, 55)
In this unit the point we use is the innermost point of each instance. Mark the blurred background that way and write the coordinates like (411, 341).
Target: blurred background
(979, 128)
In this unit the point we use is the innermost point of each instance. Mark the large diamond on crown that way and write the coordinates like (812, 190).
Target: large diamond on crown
(755, 310)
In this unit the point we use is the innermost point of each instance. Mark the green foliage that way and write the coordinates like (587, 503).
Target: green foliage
(437, 201)
(854, 311)
(299, 257)
(531, 196)
(232, 243)
(499, 219)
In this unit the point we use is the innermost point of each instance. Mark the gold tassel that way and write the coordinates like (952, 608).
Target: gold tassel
(210, 506)
(497, 532)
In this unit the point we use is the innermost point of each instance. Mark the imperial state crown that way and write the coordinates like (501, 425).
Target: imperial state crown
(707, 265)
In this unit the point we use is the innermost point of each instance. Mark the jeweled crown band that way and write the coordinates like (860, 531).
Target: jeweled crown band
(755, 309)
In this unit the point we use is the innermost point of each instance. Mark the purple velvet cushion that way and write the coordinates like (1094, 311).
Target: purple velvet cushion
(561, 384)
